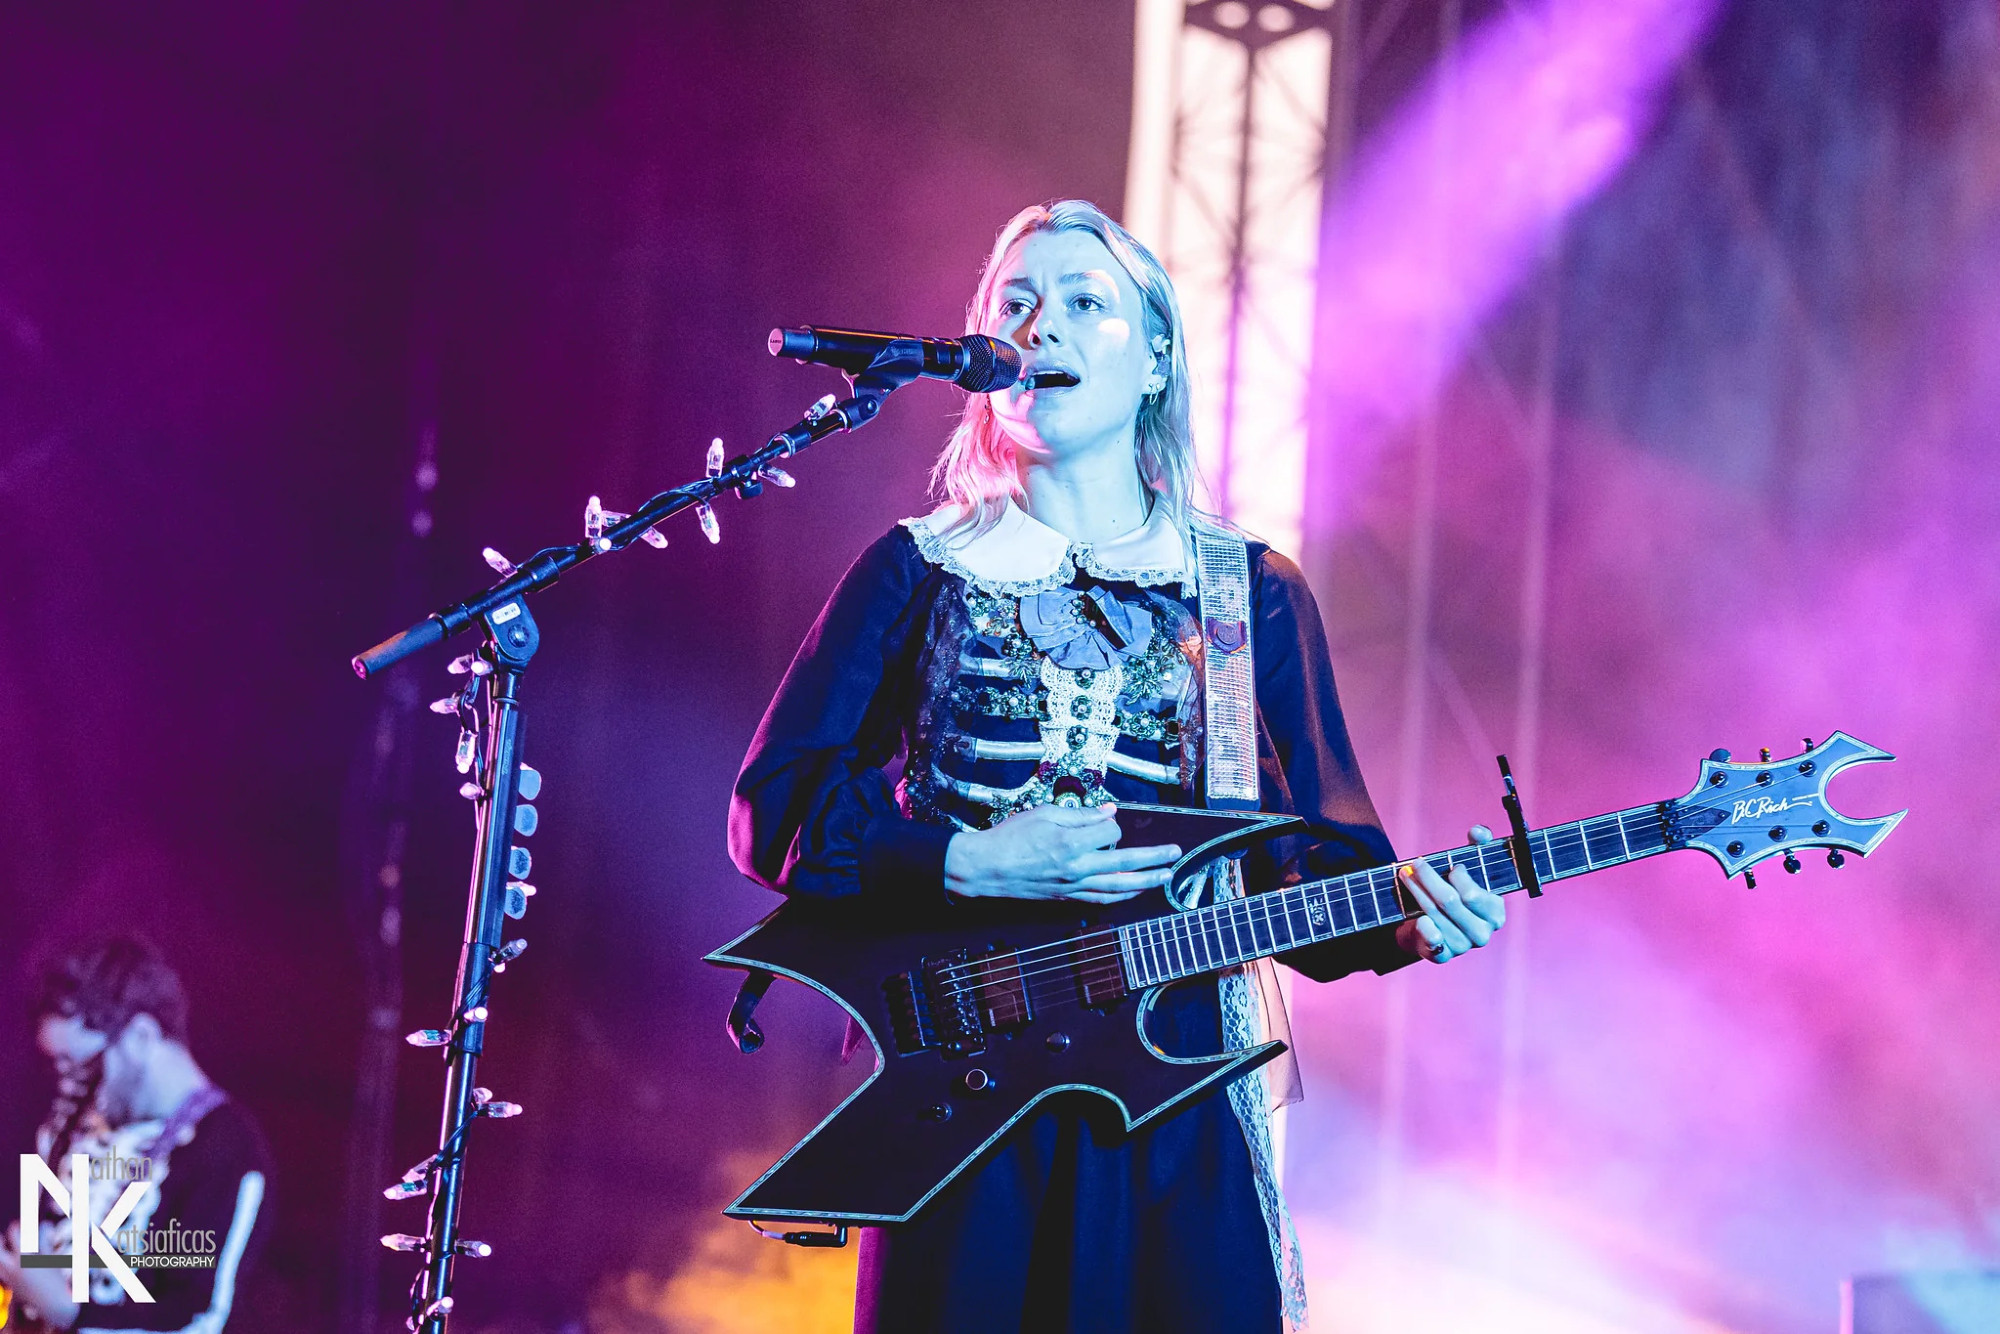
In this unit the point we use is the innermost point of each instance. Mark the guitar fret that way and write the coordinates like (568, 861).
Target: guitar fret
(1234, 932)
(1341, 909)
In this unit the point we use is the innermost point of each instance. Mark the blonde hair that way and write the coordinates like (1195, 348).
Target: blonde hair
(976, 470)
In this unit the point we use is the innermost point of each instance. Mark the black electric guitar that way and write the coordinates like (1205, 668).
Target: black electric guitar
(976, 1020)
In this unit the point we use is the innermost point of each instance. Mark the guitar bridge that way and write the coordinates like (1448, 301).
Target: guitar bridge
(952, 1003)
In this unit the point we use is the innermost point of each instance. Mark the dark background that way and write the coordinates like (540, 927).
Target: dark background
(253, 256)
(248, 253)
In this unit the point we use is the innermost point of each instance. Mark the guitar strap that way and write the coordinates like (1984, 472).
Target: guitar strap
(1252, 1005)
(1228, 669)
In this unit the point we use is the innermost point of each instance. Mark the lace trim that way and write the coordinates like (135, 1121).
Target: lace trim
(938, 552)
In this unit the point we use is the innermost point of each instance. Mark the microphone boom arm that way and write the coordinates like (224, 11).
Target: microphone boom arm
(892, 368)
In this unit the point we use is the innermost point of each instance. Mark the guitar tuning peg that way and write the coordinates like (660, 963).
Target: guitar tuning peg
(501, 565)
(1764, 754)
(1749, 880)
(531, 783)
(1791, 863)
(1719, 755)
(1809, 744)
(1834, 858)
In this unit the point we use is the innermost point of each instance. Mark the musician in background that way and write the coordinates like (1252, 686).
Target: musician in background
(113, 1019)
(1031, 652)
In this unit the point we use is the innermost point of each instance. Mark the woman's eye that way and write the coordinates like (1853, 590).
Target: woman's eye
(1085, 301)
(1013, 306)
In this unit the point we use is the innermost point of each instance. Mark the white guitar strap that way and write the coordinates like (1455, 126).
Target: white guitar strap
(1229, 675)
(1252, 1006)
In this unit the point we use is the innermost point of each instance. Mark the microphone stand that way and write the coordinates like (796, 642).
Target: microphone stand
(490, 742)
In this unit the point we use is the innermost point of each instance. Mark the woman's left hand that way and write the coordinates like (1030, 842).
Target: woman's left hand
(1457, 914)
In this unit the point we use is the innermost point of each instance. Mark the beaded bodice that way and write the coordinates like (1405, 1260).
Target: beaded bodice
(1074, 696)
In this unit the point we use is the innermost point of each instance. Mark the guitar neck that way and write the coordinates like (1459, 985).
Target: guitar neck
(1220, 935)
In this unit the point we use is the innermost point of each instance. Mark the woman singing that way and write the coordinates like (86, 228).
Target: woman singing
(1031, 652)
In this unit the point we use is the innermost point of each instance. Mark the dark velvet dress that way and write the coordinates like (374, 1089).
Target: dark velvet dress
(994, 694)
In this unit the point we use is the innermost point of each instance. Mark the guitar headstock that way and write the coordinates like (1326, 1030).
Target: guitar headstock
(1741, 814)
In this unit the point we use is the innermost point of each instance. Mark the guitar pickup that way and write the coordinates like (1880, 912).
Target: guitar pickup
(1101, 982)
(1001, 992)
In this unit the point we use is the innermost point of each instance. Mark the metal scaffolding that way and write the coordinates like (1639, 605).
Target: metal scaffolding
(1247, 117)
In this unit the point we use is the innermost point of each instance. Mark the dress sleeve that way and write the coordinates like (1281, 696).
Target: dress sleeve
(1300, 709)
(813, 812)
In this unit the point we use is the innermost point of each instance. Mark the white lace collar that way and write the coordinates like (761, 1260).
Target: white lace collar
(1020, 554)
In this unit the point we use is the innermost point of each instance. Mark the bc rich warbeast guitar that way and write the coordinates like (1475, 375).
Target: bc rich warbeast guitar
(976, 1018)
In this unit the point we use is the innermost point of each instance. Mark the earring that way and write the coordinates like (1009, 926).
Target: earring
(1154, 384)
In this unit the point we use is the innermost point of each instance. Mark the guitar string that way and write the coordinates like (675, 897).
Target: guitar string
(1573, 830)
(1179, 948)
(1495, 849)
(1074, 948)
(1072, 953)
(1176, 952)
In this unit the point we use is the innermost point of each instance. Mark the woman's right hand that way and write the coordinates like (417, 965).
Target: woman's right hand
(1054, 852)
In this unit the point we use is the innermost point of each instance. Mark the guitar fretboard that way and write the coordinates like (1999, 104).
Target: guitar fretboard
(1220, 935)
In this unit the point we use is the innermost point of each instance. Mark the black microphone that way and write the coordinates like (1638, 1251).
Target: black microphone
(975, 362)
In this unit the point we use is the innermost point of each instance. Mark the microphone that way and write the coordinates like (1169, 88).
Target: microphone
(974, 363)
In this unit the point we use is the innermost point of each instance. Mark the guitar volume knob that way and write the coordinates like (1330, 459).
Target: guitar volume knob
(937, 1111)
(977, 1081)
